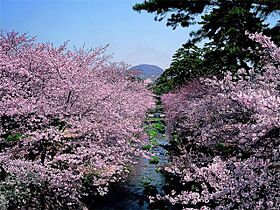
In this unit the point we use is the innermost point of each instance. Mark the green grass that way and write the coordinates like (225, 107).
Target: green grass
(154, 160)
(154, 119)
(159, 126)
(147, 147)
(152, 133)
(153, 130)
(147, 180)
(14, 137)
(154, 142)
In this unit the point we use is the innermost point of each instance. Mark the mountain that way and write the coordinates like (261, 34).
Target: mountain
(148, 71)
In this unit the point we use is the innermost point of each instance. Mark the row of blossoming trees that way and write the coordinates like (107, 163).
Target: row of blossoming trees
(70, 123)
(227, 133)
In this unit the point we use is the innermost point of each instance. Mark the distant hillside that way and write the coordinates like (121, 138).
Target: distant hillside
(148, 71)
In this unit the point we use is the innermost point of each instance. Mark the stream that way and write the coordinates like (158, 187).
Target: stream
(143, 180)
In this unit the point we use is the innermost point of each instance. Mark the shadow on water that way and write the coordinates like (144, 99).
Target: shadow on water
(143, 180)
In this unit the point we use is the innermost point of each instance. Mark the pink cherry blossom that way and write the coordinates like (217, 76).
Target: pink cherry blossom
(226, 134)
(79, 117)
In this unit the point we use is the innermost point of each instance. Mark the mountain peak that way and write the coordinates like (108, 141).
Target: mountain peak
(148, 71)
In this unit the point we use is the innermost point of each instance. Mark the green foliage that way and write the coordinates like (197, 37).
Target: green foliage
(13, 137)
(154, 119)
(194, 188)
(88, 178)
(154, 160)
(158, 169)
(223, 25)
(153, 142)
(152, 133)
(147, 181)
(149, 189)
(159, 126)
(185, 10)
(176, 140)
(187, 64)
(147, 147)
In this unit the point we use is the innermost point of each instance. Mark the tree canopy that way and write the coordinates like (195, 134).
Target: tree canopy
(183, 12)
(223, 26)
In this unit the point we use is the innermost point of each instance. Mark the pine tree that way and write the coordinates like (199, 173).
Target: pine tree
(223, 26)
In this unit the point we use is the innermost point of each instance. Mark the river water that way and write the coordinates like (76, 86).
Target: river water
(143, 180)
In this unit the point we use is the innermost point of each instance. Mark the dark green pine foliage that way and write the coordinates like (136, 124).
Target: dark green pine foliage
(274, 33)
(182, 12)
(185, 60)
(223, 25)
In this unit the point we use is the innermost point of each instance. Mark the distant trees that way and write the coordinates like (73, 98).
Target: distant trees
(70, 123)
(223, 26)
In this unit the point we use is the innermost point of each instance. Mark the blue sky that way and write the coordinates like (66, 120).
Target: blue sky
(132, 37)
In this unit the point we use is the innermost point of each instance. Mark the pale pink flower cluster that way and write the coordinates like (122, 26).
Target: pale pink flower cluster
(79, 119)
(227, 133)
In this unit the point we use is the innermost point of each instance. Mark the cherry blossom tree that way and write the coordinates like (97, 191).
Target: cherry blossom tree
(226, 133)
(70, 123)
